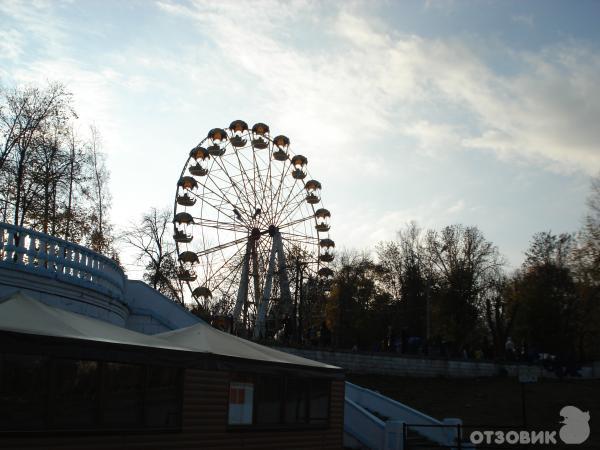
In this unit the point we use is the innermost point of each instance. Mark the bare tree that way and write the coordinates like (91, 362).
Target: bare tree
(26, 116)
(51, 180)
(152, 240)
(99, 194)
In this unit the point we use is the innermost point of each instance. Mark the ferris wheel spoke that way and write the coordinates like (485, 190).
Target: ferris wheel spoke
(273, 195)
(292, 211)
(219, 209)
(301, 237)
(229, 226)
(231, 274)
(284, 172)
(258, 176)
(224, 190)
(295, 222)
(239, 193)
(247, 196)
(227, 261)
(290, 201)
(248, 182)
(221, 246)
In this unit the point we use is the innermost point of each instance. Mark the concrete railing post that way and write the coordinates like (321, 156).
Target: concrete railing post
(20, 245)
(394, 435)
(31, 252)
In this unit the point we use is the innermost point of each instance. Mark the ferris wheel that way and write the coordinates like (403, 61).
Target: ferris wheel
(246, 216)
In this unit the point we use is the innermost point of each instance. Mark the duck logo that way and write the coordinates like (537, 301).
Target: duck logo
(575, 429)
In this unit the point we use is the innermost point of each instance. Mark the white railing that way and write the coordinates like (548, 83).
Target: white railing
(441, 432)
(363, 426)
(32, 251)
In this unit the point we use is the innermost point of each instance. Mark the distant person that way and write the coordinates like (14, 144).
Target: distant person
(510, 348)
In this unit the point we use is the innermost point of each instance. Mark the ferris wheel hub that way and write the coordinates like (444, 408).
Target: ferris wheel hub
(255, 234)
(273, 230)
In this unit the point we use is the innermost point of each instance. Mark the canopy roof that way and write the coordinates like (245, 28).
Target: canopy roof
(21, 313)
(206, 339)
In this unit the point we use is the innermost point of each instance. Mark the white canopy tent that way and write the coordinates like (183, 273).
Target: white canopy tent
(21, 313)
(206, 339)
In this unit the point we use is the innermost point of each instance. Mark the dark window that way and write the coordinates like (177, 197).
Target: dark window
(37, 393)
(296, 400)
(268, 399)
(75, 393)
(122, 395)
(23, 391)
(161, 403)
(278, 400)
(319, 401)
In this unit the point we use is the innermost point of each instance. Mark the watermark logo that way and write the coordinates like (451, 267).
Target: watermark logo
(575, 430)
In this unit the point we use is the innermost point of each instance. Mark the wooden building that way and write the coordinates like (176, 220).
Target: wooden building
(68, 381)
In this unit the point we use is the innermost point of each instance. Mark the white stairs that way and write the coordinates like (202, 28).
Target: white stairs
(375, 422)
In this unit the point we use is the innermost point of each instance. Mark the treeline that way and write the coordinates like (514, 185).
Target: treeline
(447, 292)
(441, 292)
(52, 179)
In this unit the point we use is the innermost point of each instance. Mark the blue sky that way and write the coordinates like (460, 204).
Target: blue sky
(477, 112)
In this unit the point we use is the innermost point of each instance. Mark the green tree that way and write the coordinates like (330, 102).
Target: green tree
(550, 305)
(465, 264)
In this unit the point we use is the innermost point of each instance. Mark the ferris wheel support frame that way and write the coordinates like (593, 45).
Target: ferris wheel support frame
(242, 295)
(260, 324)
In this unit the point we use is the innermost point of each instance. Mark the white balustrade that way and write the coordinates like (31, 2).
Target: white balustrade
(32, 251)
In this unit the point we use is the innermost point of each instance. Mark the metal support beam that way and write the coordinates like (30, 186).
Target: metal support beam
(284, 283)
(260, 325)
(242, 294)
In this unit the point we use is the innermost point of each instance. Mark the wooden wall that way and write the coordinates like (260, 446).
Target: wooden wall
(204, 426)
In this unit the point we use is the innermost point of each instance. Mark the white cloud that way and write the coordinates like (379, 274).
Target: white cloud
(11, 46)
(374, 81)
(456, 207)
(523, 19)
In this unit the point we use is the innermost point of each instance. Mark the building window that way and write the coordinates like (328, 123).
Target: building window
(278, 401)
(23, 391)
(319, 401)
(269, 391)
(162, 399)
(122, 395)
(39, 393)
(296, 400)
(241, 402)
(75, 393)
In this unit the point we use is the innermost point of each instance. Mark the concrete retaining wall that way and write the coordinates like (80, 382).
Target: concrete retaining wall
(390, 364)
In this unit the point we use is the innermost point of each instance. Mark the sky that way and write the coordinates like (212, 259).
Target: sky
(483, 113)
